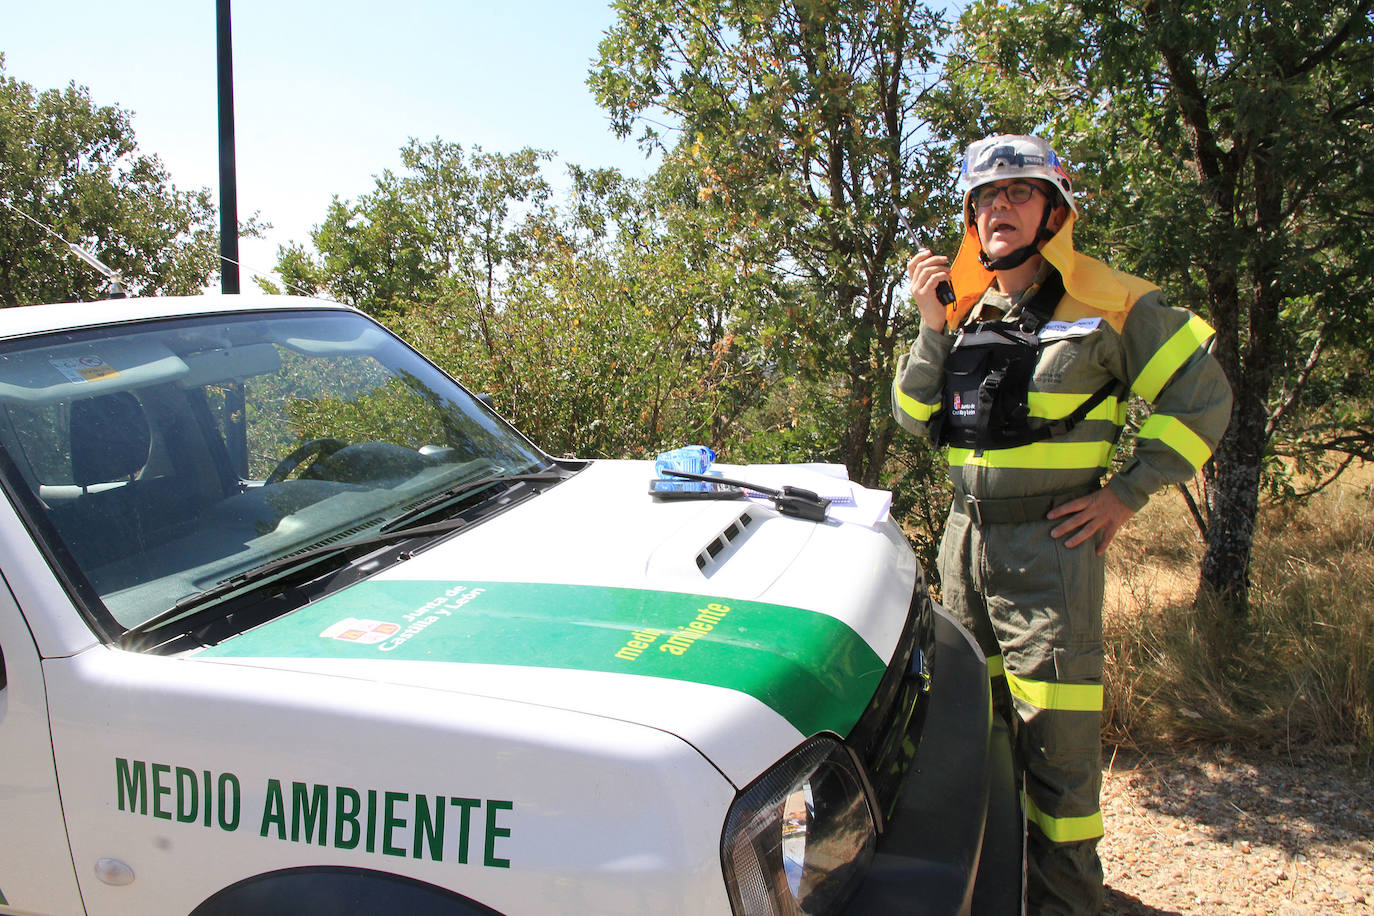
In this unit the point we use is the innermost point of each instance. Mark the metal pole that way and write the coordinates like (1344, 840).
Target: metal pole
(228, 181)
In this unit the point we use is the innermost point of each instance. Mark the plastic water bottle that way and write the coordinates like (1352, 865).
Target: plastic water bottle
(694, 459)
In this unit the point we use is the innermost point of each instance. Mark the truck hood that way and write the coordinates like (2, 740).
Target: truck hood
(737, 629)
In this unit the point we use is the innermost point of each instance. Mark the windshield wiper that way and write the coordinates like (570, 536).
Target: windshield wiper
(283, 566)
(467, 487)
(401, 528)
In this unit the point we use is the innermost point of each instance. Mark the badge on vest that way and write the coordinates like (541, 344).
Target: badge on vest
(1064, 330)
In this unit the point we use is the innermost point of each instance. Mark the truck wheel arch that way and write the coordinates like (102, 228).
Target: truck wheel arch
(337, 891)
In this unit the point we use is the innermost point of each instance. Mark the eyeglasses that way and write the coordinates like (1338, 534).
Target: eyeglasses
(1018, 192)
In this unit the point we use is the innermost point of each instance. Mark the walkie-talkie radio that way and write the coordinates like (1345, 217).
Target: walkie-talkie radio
(943, 291)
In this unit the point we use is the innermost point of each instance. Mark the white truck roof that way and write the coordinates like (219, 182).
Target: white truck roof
(37, 319)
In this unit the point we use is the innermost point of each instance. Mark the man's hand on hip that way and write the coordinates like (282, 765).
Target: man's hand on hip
(1101, 513)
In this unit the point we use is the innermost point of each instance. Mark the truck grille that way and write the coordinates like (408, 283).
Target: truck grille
(887, 734)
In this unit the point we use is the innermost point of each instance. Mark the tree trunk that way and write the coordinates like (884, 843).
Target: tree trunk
(1232, 503)
(869, 424)
(1234, 498)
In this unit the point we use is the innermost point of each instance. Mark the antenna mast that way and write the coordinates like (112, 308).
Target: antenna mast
(228, 181)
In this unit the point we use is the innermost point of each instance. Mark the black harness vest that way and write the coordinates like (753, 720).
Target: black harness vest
(987, 380)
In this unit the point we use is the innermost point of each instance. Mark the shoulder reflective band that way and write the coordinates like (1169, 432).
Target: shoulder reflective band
(1064, 829)
(1173, 433)
(1169, 358)
(810, 668)
(1053, 695)
(917, 410)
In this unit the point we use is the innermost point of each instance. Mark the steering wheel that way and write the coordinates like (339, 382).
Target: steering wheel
(314, 450)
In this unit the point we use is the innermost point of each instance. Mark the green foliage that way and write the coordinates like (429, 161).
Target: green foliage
(455, 225)
(800, 125)
(921, 497)
(285, 410)
(598, 327)
(73, 165)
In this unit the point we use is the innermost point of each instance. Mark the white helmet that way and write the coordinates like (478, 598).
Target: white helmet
(1013, 156)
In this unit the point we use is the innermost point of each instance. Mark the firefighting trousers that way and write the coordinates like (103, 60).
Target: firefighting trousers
(1035, 607)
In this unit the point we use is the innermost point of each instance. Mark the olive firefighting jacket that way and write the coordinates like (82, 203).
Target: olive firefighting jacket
(1109, 325)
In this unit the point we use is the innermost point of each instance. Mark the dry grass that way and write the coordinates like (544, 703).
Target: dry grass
(1298, 672)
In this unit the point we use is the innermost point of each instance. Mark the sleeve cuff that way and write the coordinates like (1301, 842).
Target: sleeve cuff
(932, 345)
(1128, 491)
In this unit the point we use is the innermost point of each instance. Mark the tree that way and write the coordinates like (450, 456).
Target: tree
(1226, 152)
(598, 327)
(450, 217)
(612, 339)
(73, 166)
(800, 123)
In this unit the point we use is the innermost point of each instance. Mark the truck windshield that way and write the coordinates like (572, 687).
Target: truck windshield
(158, 459)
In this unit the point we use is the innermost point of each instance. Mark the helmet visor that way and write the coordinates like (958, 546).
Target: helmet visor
(1013, 156)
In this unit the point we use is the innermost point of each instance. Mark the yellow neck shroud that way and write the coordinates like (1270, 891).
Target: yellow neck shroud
(1091, 287)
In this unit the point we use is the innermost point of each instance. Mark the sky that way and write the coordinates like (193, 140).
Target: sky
(326, 93)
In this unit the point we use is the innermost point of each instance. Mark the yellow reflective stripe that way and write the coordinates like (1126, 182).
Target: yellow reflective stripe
(1047, 455)
(1056, 406)
(996, 667)
(1064, 829)
(1170, 357)
(917, 410)
(1174, 433)
(1053, 695)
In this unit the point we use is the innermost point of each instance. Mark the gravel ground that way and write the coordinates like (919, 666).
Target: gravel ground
(1225, 833)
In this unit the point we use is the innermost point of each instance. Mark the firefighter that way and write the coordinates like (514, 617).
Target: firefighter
(1027, 354)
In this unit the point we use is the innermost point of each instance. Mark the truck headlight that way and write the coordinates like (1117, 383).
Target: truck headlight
(799, 839)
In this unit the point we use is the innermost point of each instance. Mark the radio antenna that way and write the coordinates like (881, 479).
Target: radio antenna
(116, 281)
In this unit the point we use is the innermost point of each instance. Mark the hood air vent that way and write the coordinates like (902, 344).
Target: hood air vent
(725, 543)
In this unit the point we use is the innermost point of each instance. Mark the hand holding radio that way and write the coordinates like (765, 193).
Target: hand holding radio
(929, 276)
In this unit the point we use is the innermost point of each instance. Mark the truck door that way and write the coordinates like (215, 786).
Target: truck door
(36, 871)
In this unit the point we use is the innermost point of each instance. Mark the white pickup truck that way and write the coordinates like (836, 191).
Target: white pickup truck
(290, 622)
